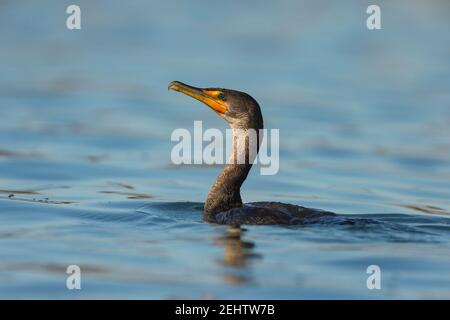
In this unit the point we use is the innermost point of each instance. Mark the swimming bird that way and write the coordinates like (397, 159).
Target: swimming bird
(224, 204)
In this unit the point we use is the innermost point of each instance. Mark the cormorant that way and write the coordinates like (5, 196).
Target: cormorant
(224, 204)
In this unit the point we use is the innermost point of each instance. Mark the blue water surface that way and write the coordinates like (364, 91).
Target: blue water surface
(86, 177)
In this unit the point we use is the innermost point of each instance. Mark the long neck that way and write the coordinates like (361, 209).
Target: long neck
(225, 192)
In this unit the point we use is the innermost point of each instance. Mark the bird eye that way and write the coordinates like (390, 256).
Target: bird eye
(221, 96)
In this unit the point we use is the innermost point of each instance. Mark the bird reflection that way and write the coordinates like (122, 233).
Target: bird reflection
(237, 255)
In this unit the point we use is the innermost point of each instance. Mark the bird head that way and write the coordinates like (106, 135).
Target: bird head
(239, 109)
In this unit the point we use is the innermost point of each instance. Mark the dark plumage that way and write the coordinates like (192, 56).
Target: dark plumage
(224, 204)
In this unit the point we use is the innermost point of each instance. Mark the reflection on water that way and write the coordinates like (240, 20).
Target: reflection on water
(130, 195)
(237, 254)
(85, 171)
(427, 209)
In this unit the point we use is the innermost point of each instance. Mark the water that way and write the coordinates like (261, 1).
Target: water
(85, 171)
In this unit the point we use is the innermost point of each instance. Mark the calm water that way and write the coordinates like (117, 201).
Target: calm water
(85, 171)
